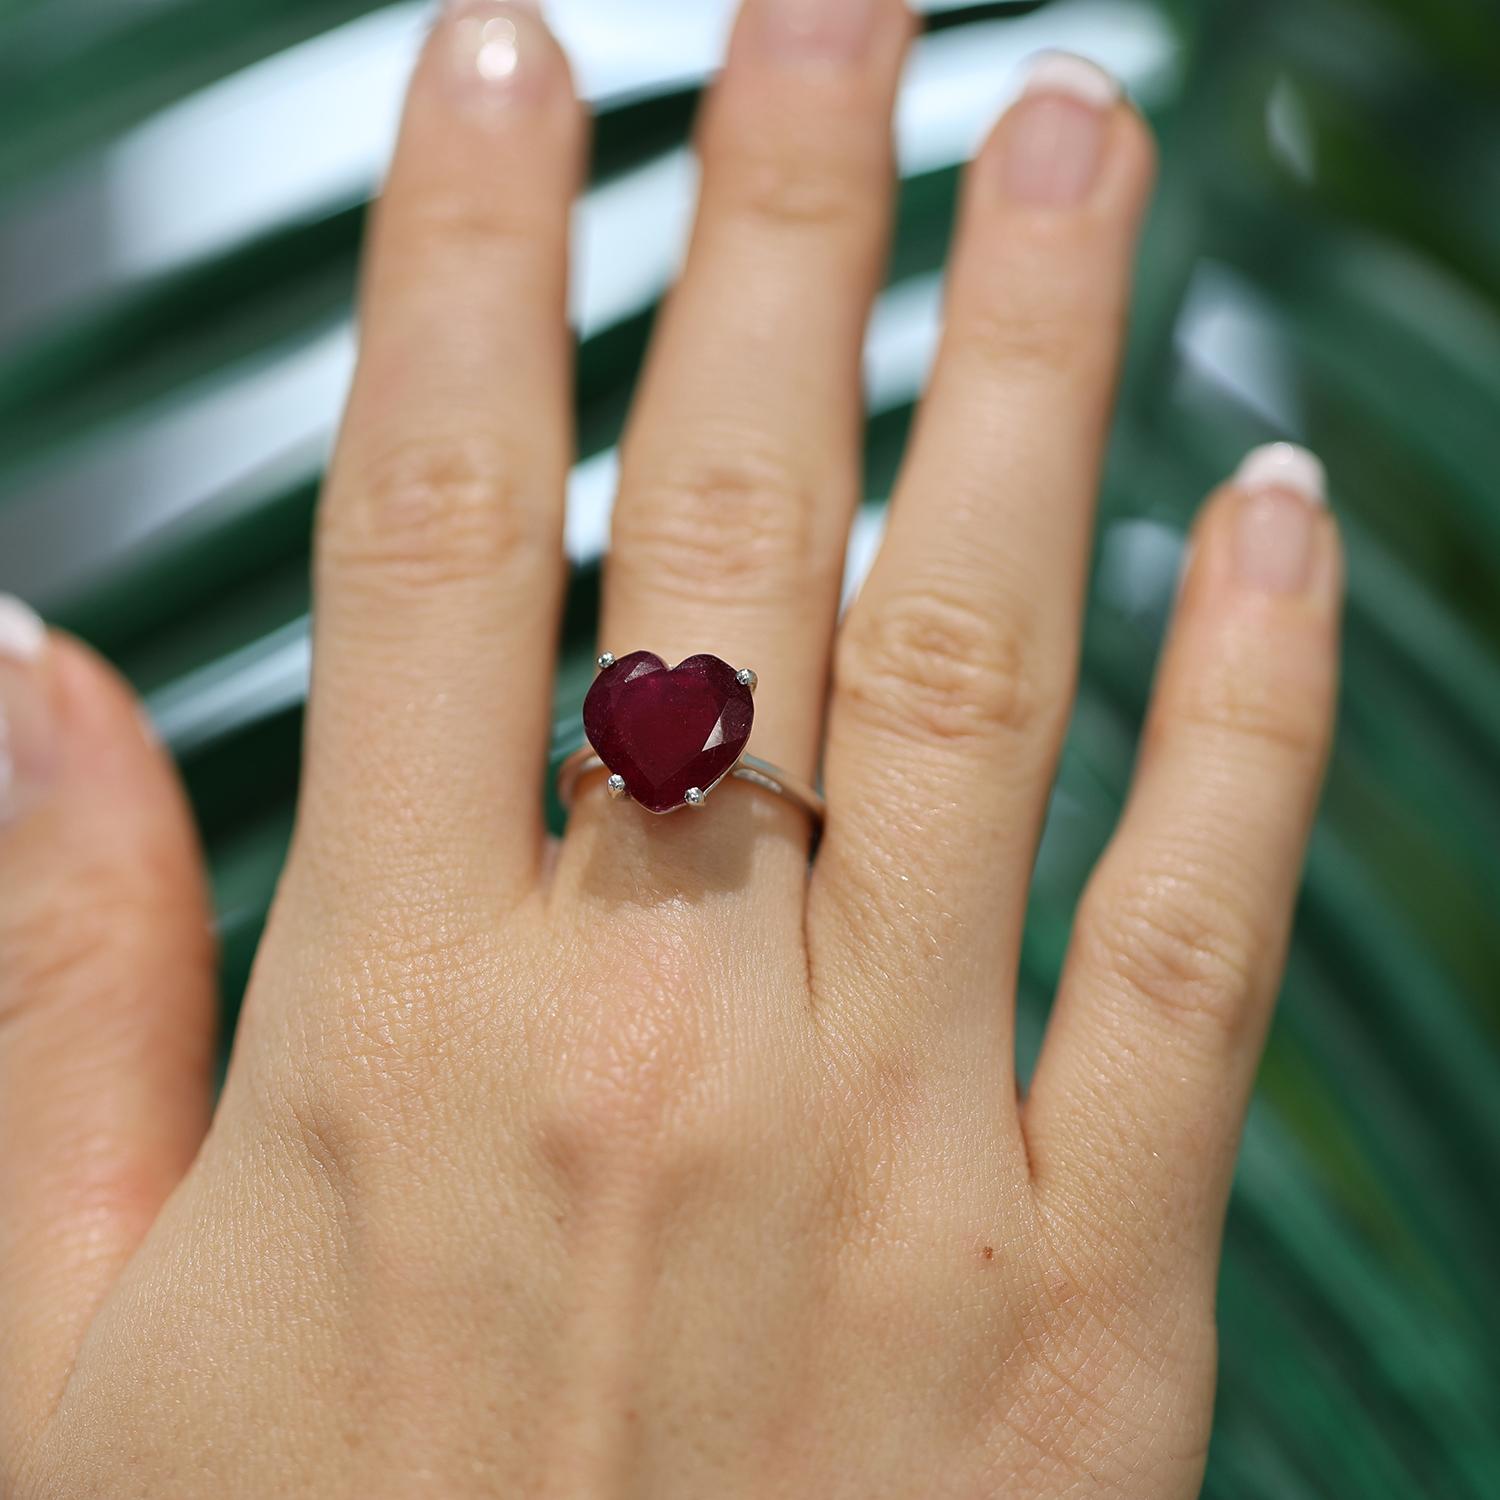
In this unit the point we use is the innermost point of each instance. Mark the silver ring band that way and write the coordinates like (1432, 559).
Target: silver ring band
(583, 762)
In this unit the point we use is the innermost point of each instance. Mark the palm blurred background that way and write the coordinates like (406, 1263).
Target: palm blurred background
(182, 192)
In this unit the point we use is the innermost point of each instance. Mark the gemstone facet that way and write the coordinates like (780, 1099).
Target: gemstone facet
(666, 731)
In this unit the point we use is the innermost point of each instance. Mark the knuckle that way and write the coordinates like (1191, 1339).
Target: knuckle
(636, 1127)
(324, 1127)
(462, 229)
(637, 1102)
(1173, 942)
(1254, 709)
(433, 511)
(602, 1126)
(732, 527)
(1043, 304)
(940, 668)
(394, 1037)
(1065, 344)
(798, 187)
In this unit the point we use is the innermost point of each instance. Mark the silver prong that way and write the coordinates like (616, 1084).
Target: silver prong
(695, 797)
(615, 786)
(606, 660)
(746, 678)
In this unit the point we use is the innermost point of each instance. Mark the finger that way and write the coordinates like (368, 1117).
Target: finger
(106, 1000)
(740, 472)
(954, 672)
(440, 559)
(1178, 947)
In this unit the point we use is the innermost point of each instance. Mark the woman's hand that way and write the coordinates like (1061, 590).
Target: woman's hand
(654, 1163)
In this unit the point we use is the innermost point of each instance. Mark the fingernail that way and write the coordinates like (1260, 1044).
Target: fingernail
(832, 31)
(26, 732)
(479, 7)
(499, 50)
(1282, 488)
(1054, 137)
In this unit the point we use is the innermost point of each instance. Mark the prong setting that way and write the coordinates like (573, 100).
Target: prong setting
(606, 660)
(695, 797)
(615, 786)
(746, 678)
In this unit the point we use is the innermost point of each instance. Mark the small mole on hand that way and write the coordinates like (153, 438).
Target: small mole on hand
(988, 1252)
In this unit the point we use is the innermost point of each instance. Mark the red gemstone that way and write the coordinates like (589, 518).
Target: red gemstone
(664, 730)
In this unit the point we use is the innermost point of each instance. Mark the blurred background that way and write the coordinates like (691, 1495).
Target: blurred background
(182, 192)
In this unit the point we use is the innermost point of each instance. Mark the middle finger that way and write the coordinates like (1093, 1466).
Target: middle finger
(740, 470)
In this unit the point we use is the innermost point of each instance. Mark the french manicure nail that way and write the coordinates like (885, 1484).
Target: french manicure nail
(26, 731)
(1054, 138)
(1284, 466)
(499, 49)
(1282, 489)
(829, 31)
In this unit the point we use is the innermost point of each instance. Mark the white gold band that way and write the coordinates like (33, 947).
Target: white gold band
(584, 762)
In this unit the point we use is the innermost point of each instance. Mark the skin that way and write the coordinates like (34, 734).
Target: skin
(657, 1162)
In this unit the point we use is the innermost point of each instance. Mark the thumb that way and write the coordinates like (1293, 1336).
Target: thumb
(106, 1001)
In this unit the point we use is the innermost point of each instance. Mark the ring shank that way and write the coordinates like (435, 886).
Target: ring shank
(584, 762)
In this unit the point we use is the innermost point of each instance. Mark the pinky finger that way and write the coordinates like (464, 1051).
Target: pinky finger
(1177, 953)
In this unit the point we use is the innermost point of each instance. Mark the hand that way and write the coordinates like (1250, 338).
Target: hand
(656, 1162)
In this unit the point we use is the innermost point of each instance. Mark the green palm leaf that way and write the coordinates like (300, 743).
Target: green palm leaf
(1323, 263)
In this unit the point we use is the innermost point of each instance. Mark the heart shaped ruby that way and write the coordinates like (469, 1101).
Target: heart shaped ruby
(664, 730)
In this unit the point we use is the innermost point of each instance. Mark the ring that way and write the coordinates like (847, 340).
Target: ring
(669, 735)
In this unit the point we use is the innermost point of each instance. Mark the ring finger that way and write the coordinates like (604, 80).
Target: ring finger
(955, 669)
